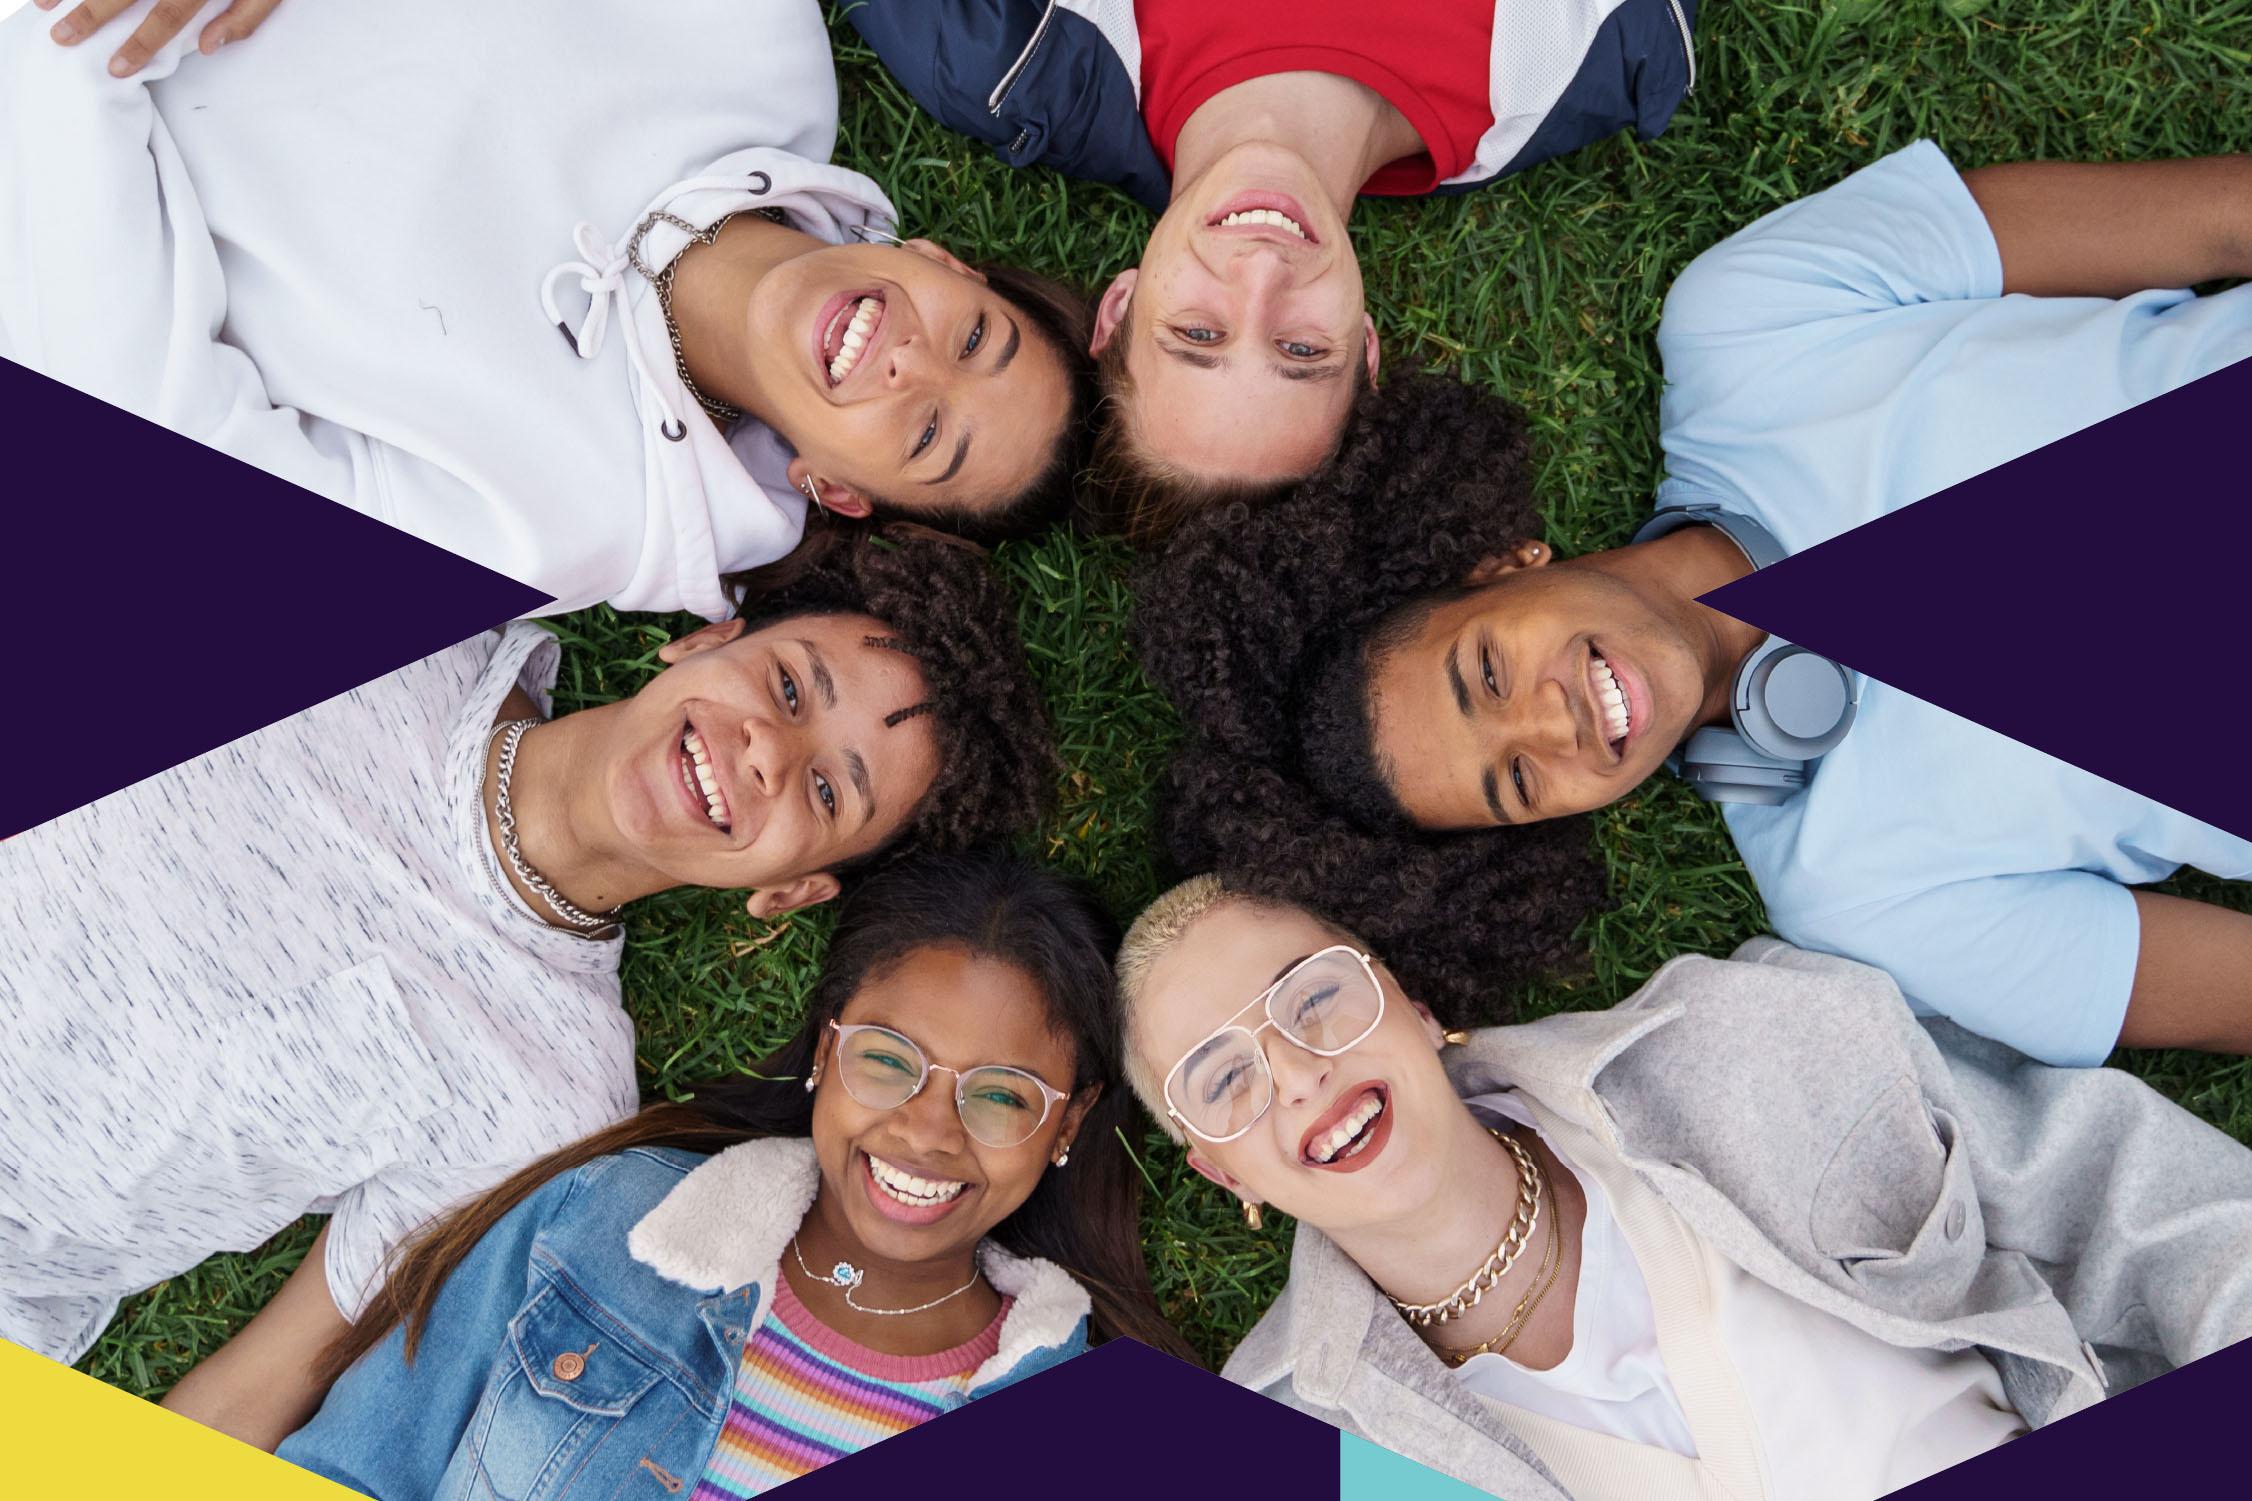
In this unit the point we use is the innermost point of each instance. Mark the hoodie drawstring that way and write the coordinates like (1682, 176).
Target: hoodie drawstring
(601, 270)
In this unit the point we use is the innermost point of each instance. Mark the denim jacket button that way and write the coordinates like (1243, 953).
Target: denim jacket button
(569, 1366)
(1955, 1217)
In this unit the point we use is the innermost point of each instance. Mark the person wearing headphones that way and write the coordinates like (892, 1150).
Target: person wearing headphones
(1845, 356)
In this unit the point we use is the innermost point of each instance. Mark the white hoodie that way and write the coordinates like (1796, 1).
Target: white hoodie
(327, 252)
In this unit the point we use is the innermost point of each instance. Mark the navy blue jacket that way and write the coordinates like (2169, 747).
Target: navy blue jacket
(1045, 85)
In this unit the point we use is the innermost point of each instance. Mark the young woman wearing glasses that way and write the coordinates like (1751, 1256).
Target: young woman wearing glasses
(1754, 1232)
(920, 1199)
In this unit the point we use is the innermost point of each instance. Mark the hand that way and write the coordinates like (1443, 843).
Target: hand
(159, 26)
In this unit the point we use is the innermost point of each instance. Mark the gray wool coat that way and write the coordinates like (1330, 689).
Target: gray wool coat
(1930, 1187)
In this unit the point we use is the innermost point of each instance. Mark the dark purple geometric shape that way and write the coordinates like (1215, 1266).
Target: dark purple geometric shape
(1120, 1420)
(2084, 599)
(2174, 1436)
(160, 598)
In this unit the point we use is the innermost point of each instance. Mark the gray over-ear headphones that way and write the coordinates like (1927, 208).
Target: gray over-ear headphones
(1788, 706)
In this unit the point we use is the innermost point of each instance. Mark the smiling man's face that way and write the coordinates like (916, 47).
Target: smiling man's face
(759, 757)
(1546, 691)
(1246, 332)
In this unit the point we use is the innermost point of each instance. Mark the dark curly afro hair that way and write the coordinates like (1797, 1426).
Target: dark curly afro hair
(1260, 624)
(942, 603)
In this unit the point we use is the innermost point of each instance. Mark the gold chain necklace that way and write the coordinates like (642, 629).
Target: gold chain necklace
(1514, 1239)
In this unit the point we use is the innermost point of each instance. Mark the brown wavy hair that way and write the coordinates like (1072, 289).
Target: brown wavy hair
(1261, 624)
(1085, 1217)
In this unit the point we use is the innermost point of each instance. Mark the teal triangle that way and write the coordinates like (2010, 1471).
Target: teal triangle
(1371, 1472)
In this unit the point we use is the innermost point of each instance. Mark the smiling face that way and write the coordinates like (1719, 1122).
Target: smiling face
(1346, 1141)
(762, 757)
(911, 1182)
(899, 376)
(1542, 692)
(1247, 323)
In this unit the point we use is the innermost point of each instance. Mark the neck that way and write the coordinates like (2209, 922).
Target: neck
(1344, 130)
(1425, 1256)
(1676, 569)
(555, 795)
(712, 287)
(826, 1237)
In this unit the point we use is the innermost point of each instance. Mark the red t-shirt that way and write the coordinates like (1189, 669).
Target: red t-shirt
(1430, 59)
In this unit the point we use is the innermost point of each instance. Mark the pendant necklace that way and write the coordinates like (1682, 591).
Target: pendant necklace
(849, 1277)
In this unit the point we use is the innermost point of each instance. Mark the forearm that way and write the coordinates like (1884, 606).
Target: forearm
(2068, 229)
(261, 1386)
(2193, 977)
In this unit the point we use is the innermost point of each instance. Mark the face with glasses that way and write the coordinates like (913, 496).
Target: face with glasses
(942, 1095)
(1298, 1073)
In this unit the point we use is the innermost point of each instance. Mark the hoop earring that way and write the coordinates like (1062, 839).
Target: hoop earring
(1253, 1218)
(813, 494)
(868, 236)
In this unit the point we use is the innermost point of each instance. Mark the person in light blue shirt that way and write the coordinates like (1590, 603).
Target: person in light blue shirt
(1845, 356)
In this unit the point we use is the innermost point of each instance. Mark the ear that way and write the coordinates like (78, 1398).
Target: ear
(820, 1066)
(1433, 1033)
(1110, 311)
(1523, 553)
(932, 250)
(791, 896)
(1221, 1176)
(836, 497)
(1074, 1113)
(1369, 346)
(703, 638)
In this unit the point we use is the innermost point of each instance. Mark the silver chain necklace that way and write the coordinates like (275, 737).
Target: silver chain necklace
(504, 815)
(847, 1276)
(719, 411)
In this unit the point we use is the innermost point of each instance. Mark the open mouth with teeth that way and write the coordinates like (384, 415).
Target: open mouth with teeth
(702, 783)
(1271, 214)
(848, 333)
(1612, 704)
(1352, 1132)
(899, 1193)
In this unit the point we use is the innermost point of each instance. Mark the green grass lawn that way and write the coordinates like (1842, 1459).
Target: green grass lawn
(1546, 288)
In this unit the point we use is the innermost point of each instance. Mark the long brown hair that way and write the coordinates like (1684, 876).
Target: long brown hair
(1084, 1217)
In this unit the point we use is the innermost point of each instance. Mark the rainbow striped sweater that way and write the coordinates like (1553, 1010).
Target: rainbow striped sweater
(805, 1395)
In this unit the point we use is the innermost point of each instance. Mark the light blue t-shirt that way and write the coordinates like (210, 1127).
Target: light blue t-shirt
(1849, 355)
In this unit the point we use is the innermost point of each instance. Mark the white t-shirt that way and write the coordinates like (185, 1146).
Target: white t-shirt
(1846, 356)
(284, 977)
(1791, 1399)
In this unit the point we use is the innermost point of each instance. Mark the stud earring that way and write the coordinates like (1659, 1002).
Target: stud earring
(1252, 1216)
(810, 1081)
(1455, 1037)
(1063, 1157)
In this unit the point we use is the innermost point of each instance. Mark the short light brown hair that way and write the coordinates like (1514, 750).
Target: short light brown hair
(1150, 938)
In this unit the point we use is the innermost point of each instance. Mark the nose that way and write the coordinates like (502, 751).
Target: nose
(911, 364)
(1300, 1076)
(1545, 720)
(931, 1123)
(768, 755)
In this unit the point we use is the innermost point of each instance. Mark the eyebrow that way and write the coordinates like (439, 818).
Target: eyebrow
(1493, 796)
(1193, 357)
(961, 451)
(1009, 350)
(1454, 679)
(1307, 372)
(857, 770)
(1287, 968)
(823, 683)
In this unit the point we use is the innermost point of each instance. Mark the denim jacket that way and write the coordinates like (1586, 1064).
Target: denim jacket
(588, 1345)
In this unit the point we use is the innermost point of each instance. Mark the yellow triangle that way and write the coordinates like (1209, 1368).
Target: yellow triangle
(70, 1435)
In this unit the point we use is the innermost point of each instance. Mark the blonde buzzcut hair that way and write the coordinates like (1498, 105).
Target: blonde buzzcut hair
(1152, 936)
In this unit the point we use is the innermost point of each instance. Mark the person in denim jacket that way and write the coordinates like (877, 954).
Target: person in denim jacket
(892, 1217)
(1753, 1232)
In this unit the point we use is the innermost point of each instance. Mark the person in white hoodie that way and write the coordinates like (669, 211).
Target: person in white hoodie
(387, 271)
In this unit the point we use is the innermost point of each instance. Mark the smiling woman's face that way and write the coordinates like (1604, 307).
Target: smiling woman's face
(1391, 1083)
(899, 376)
(885, 1168)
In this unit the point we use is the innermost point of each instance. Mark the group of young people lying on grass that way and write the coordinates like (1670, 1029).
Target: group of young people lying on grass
(1865, 1184)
